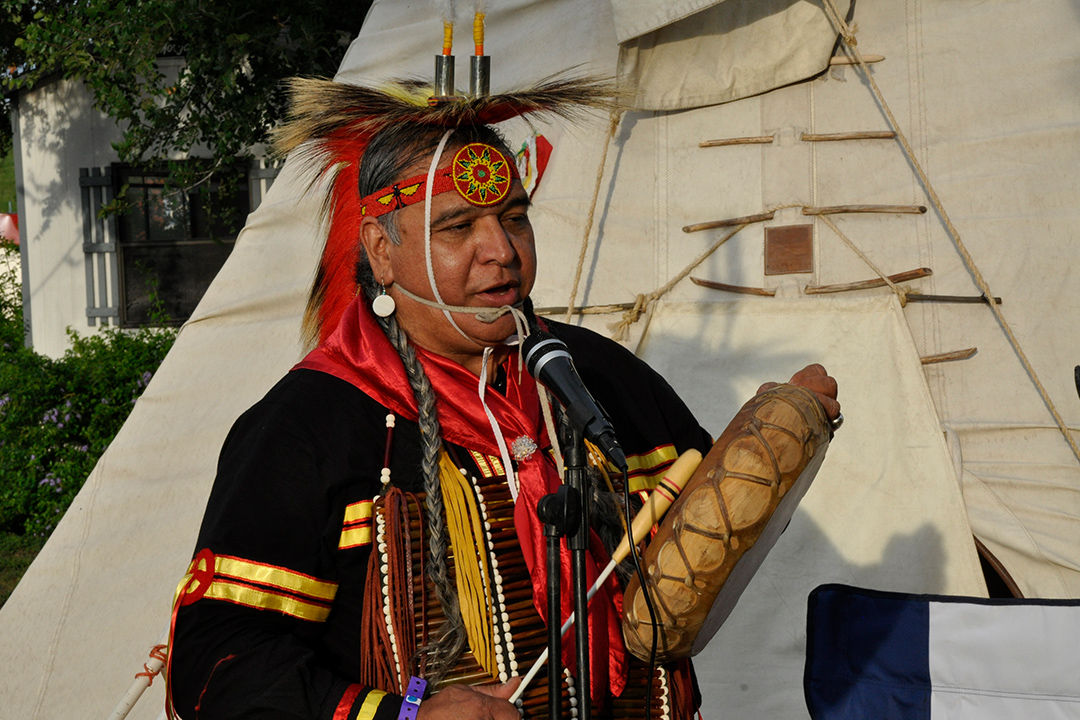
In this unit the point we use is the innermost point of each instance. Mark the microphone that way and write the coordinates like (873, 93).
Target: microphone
(548, 360)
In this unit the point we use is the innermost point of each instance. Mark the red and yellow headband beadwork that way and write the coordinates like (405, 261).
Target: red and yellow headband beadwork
(479, 172)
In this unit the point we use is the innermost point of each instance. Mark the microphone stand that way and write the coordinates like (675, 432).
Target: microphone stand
(574, 458)
(561, 514)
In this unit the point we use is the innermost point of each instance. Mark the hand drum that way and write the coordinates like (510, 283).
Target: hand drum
(727, 518)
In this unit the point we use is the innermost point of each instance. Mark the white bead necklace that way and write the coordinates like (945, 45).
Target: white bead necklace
(505, 657)
(384, 583)
(665, 694)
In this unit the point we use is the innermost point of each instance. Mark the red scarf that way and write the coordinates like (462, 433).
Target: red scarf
(359, 353)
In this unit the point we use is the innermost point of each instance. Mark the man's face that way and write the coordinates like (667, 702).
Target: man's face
(481, 257)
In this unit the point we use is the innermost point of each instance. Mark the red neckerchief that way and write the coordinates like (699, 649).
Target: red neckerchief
(359, 353)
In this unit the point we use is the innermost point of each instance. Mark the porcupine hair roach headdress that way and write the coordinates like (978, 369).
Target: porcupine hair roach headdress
(331, 125)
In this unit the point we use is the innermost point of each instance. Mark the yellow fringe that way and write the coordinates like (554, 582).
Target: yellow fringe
(473, 578)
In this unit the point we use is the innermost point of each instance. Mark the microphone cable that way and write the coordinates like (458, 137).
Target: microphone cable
(644, 591)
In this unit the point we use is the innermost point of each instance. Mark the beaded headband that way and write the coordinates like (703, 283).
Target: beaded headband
(479, 172)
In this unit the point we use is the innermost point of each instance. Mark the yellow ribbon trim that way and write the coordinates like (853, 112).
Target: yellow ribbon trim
(646, 469)
(232, 574)
(354, 537)
(358, 511)
(370, 705)
(650, 460)
(263, 600)
(355, 513)
(481, 464)
(273, 576)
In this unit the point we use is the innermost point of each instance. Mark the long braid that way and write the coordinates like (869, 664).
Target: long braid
(446, 649)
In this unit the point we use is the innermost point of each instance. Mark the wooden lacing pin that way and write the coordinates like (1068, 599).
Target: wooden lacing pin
(844, 209)
(753, 140)
(948, 356)
(969, 299)
(585, 310)
(861, 135)
(740, 289)
(906, 276)
(731, 222)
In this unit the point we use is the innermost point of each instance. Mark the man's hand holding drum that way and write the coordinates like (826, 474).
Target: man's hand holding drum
(817, 380)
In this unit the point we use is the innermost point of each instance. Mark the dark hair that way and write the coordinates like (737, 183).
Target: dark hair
(389, 156)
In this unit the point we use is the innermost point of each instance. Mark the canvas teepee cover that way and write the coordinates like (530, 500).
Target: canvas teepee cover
(929, 453)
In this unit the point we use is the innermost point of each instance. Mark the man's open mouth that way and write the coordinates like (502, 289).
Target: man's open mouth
(502, 294)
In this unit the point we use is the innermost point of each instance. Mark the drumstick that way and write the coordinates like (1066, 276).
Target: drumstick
(661, 498)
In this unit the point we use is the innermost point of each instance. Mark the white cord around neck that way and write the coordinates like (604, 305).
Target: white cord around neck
(429, 186)
(486, 315)
(500, 440)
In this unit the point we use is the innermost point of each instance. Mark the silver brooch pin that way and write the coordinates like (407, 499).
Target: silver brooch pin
(522, 448)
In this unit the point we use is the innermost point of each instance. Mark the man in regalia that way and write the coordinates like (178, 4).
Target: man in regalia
(370, 547)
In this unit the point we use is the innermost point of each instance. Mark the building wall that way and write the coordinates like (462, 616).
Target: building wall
(60, 132)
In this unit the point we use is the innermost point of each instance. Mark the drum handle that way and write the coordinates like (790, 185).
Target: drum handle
(650, 515)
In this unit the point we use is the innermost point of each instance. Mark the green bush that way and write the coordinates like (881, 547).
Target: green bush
(58, 416)
(16, 554)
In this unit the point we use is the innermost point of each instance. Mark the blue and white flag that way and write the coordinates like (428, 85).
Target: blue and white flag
(890, 656)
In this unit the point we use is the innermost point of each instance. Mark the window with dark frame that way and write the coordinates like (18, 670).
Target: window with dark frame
(172, 243)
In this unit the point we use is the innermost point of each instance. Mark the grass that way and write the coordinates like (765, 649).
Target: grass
(16, 554)
(7, 183)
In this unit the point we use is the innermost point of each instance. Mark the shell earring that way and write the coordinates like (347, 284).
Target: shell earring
(383, 305)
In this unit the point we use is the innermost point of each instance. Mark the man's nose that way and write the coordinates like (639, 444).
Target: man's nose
(496, 244)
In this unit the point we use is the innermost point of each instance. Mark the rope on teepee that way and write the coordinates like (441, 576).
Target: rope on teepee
(848, 35)
(616, 116)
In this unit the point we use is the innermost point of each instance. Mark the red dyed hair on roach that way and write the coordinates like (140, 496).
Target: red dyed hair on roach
(335, 279)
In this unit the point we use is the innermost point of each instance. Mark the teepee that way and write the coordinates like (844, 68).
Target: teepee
(856, 180)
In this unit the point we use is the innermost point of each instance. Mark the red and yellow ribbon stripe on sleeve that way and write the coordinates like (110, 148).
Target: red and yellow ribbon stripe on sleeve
(646, 469)
(356, 529)
(257, 585)
(369, 706)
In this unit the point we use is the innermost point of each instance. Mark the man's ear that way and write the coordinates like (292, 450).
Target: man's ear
(377, 245)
